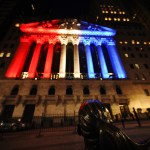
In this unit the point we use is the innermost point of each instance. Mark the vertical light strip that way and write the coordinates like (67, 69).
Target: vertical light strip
(76, 62)
(116, 61)
(89, 62)
(16, 66)
(34, 61)
(62, 67)
(104, 70)
(48, 63)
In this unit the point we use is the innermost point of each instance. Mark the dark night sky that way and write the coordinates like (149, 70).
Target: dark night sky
(57, 8)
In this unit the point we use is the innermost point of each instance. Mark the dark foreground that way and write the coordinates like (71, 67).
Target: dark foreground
(64, 139)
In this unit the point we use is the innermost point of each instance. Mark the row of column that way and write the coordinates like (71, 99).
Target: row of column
(16, 66)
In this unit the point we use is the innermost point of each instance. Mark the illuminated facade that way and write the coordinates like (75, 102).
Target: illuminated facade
(76, 40)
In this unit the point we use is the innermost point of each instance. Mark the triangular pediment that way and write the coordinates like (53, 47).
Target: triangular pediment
(67, 24)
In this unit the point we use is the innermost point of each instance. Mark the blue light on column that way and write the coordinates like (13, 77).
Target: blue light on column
(104, 70)
(89, 62)
(116, 61)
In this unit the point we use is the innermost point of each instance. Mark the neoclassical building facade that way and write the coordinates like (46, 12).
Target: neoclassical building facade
(59, 64)
(76, 49)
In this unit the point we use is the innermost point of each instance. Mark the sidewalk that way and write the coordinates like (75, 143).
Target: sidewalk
(65, 140)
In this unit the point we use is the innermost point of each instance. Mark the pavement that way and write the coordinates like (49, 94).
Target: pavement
(66, 139)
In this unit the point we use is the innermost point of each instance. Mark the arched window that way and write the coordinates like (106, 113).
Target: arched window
(86, 90)
(102, 90)
(51, 90)
(118, 90)
(69, 90)
(15, 90)
(33, 90)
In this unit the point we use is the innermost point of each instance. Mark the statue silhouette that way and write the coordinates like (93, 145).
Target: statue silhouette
(98, 131)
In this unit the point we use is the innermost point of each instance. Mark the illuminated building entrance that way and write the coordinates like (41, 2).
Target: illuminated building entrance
(66, 49)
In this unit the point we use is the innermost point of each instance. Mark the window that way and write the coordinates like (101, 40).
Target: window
(86, 90)
(140, 55)
(69, 90)
(126, 55)
(8, 54)
(102, 90)
(51, 90)
(33, 90)
(147, 92)
(143, 77)
(118, 90)
(146, 66)
(129, 48)
(8, 111)
(124, 48)
(137, 66)
(132, 55)
(15, 90)
(1, 54)
(146, 56)
(131, 66)
(136, 77)
(2, 64)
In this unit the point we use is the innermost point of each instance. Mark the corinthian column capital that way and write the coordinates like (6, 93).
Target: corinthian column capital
(63, 40)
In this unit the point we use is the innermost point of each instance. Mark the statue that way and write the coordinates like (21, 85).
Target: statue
(98, 131)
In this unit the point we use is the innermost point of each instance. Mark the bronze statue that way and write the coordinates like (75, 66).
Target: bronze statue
(98, 131)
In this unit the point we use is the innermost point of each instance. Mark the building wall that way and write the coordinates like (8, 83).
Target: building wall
(132, 94)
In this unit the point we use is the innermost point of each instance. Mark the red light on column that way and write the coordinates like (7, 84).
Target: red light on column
(48, 63)
(34, 61)
(15, 67)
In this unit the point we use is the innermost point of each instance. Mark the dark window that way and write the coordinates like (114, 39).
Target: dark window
(129, 48)
(132, 55)
(86, 90)
(146, 66)
(28, 113)
(33, 90)
(12, 45)
(7, 111)
(131, 66)
(15, 90)
(137, 77)
(51, 90)
(146, 92)
(140, 55)
(5, 46)
(146, 56)
(137, 49)
(69, 90)
(118, 90)
(2, 64)
(102, 90)
(124, 48)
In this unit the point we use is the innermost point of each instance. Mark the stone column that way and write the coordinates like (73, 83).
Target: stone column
(104, 70)
(76, 61)
(17, 63)
(62, 66)
(89, 61)
(34, 61)
(49, 60)
(115, 60)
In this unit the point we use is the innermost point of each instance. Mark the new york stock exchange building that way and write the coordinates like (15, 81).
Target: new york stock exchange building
(58, 64)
